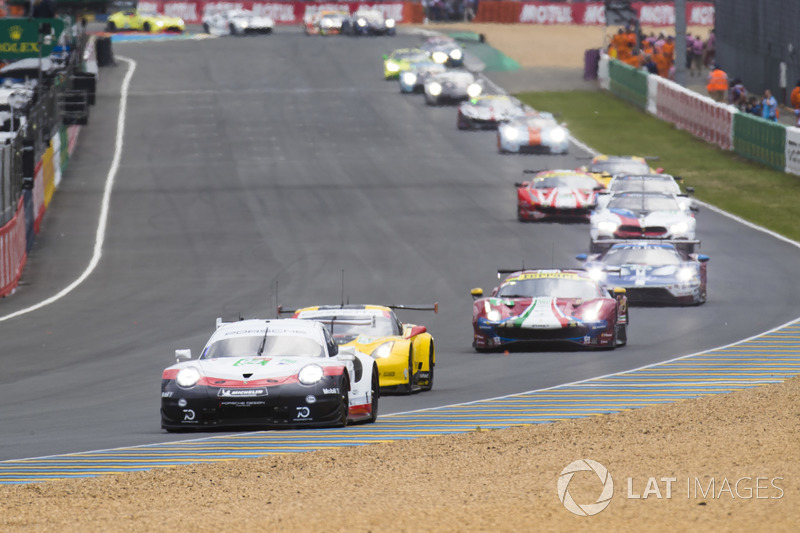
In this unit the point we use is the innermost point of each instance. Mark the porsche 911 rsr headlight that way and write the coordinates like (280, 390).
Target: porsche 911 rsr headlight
(456, 54)
(409, 78)
(679, 228)
(390, 23)
(439, 57)
(685, 274)
(310, 374)
(607, 226)
(511, 134)
(188, 377)
(435, 88)
(474, 90)
(685, 204)
(361, 22)
(558, 135)
(391, 66)
(383, 351)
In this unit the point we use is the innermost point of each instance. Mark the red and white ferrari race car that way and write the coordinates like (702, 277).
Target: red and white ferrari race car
(564, 194)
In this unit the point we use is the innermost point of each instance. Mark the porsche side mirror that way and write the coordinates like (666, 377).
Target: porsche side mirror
(690, 190)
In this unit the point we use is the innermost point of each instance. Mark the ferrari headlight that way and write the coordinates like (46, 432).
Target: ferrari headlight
(593, 312)
(607, 226)
(679, 228)
(493, 315)
(409, 78)
(474, 90)
(390, 23)
(383, 351)
(685, 274)
(188, 377)
(435, 88)
(310, 374)
(391, 66)
(558, 135)
(439, 57)
(456, 54)
(511, 134)
(361, 22)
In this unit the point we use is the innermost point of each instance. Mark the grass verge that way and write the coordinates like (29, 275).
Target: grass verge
(765, 197)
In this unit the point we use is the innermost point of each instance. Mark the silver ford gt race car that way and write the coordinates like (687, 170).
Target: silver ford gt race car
(269, 373)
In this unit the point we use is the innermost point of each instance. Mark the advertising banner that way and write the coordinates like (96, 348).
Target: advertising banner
(793, 151)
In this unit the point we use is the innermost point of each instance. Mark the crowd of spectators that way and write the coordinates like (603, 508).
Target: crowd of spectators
(450, 10)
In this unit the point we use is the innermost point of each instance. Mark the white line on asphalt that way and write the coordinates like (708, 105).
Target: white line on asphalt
(103, 219)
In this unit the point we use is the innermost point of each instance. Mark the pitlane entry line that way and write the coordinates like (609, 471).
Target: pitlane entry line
(771, 357)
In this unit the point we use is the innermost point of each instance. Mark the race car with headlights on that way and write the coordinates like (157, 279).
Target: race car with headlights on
(557, 194)
(369, 21)
(444, 50)
(237, 22)
(404, 353)
(452, 87)
(652, 273)
(536, 133)
(538, 308)
(269, 373)
(487, 111)
(413, 79)
(642, 215)
(663, 183)
(401, 60)
(141, 20)
(606, 167)
(326, 22)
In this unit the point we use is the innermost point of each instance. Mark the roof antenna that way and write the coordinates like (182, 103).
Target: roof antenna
(553, 258)
(342, 288)
(277, 302)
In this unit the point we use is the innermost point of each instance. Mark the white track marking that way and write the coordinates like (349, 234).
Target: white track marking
(103, 219)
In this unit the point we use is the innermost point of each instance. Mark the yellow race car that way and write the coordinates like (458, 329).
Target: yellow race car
(405, 353)
(401, 60)
(605, 167)
(135, 20)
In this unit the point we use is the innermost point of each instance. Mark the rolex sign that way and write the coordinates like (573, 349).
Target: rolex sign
(20, 37)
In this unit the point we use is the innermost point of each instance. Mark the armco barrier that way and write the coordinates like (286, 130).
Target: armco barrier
(628, 83)
(699, 115)
(13, 254)
(793, 150)
(761, 140)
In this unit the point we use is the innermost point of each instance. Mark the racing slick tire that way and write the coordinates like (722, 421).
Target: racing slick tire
(621, 335)
(206, 28)
(519, 214)
(376, 393)
(111, 27)
(146, 27)
(429, 382)
(409, 389)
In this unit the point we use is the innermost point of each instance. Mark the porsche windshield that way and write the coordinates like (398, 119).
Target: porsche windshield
(624, 166)
(643, 203)
(550, 287)
(660, 255)
(345, 328)
(410, 55)
(273, 346)
(573, 181)
(636, 183)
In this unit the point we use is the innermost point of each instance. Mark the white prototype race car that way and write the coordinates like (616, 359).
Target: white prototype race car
(488, 111)
(452, 87)
(237, 22)
(269, 373)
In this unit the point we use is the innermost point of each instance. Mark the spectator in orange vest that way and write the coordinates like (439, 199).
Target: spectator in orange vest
(662, 62)
(794, 100)
(669, 48)
(717, 85)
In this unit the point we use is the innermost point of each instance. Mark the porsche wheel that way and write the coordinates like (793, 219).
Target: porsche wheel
(410, 387)
(621, 337)
(344, 407)
(206, 28)
(429, 382)
(232, 29)
(375, 391)
(147, 27)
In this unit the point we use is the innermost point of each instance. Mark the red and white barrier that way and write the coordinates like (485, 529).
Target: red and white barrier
(699, 115)
(594, 13)
(12, 251)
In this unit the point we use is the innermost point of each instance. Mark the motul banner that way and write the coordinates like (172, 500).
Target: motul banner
(594, 14)
(193, 11)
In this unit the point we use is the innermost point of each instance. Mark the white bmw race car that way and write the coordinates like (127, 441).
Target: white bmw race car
(237, 22)
(642, 215)
(269, 373)
(535, 133)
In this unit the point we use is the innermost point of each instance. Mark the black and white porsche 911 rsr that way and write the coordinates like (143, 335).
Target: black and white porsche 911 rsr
(269, 373)
(237, 22)
(452, 87)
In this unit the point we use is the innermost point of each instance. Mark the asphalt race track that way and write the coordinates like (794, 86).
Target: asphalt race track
(287, 159)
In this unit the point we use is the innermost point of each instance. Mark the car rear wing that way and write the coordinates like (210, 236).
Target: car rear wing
(682, 245)
(434, 307)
